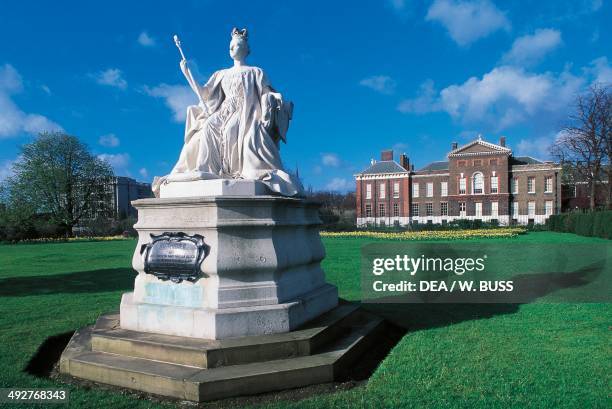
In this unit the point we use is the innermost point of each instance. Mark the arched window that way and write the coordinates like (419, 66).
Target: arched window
(477, 183)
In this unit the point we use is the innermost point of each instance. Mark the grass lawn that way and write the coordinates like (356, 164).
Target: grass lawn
(478, 355)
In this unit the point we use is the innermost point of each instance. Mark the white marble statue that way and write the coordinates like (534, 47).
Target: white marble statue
(235, 130)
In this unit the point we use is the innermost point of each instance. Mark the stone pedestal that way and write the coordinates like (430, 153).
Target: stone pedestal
(262, 274)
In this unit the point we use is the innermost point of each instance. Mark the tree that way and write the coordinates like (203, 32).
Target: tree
(585, 144)
(56, 175)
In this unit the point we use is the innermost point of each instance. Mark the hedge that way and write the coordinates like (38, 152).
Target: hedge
(597, 224)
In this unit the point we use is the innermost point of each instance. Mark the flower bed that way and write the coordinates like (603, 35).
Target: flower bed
(432, 235)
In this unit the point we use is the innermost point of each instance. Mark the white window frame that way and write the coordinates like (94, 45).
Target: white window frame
(396, 190)
(531, 182)
(478, 209)
(381, 190)
(396, 210)
(462, 209)
(412, 209)
(382, 210)
(514, 185)
(494, 184)
(548, 206)
(515, 209)
(443, 189)
(415, 190)
(443, 208)
(531, 208)
(477, 176)
(462, 186)
(368, 191)
(429, 191)
(368, 210)
(429, 209)
(548, 184)
(495, 209)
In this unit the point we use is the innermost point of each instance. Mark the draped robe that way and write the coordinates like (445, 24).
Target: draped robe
(235, 132)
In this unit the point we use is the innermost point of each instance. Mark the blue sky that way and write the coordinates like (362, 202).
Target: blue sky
(364, 76)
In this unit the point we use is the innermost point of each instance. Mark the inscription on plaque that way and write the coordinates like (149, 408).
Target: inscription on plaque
(174, 256)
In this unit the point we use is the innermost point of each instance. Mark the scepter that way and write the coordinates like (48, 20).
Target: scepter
(177, 42)
(188, 74)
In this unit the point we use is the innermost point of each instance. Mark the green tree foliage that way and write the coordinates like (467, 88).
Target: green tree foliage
(56, 181)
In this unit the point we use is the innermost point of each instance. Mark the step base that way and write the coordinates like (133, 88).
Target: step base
(353, 333)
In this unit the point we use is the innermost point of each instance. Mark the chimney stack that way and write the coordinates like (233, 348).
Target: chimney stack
(404, 161)
(502, 141)
(454, 146)
(386, 155)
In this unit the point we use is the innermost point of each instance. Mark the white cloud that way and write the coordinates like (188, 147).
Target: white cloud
(109, 140)
(601, 71)
(144, 172)
(531, 48)
(145, 40)
(425, 102)
(6, 168)
(398, 5)
(535, 147)
(13, 120)
(46, 89)
(119, 161)
(596, 4)
(379, 83)
(338, 184)
(176, 97)
(330, 159)
(467, 21)
(112, 77)
(504, 97)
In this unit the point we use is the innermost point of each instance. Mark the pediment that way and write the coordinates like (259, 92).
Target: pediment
(479, 146)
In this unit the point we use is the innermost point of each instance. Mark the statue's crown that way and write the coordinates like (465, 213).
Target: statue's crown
(240, 33)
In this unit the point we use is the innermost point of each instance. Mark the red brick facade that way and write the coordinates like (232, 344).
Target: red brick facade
(476, 182)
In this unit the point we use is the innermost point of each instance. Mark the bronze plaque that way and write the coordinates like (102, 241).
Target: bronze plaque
(174, 256)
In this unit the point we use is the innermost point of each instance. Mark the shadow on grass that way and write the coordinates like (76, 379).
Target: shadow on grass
(411, 314)
(48, 353)
(95, 281)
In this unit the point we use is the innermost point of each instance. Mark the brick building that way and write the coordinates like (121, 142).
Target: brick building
(480, 180)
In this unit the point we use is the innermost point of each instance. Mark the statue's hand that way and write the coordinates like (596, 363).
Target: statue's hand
(184, 67)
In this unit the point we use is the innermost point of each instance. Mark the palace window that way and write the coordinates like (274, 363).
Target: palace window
(478, 183)
(414, 209)
(531, 184)
(382, 190)
(415, 190)
(369, 191)
(493, 162)
(494, 181)
(515, 209)
(461, 163)
(368, 210)
(549, 207)
(477, 162)
(531, 208)
(381, 210)
(444, 209)
(514, 185)
(396, 189)
(443, 189)
(548, 184)
(429, 209)
(478, 209)
(462, 186)
(461, 208)
(429, 189)
(396, 212)
(494, 209)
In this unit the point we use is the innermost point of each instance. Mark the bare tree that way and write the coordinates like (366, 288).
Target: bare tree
(58, 176)
(584, 145)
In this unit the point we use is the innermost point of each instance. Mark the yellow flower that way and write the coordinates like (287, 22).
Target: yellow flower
(431, 235)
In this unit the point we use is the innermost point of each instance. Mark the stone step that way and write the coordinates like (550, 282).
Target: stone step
(197, 384)
(201, 353)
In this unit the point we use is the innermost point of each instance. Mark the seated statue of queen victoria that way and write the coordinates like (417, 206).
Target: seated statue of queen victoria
(235, 130)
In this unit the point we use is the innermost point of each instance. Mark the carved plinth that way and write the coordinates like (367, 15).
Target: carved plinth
(261, 274)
